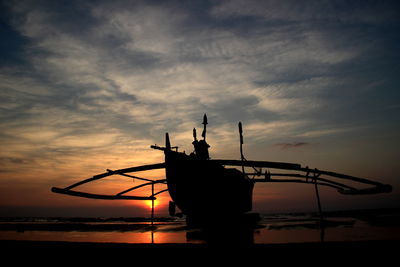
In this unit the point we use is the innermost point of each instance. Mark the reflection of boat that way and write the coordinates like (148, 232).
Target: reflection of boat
(204, 188)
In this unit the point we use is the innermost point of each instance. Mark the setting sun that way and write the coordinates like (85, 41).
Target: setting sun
(148, 203)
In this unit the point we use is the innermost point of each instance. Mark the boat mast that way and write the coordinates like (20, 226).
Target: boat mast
(167, 142)
(205, 127)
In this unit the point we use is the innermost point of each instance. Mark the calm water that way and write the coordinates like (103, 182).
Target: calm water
(278, 228)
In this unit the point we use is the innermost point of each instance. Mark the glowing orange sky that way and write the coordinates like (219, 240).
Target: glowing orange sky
(30, 188)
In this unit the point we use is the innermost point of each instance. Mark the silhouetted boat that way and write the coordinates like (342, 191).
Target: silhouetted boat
(204, 188)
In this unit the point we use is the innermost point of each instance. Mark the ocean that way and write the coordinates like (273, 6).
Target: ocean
(284, 228)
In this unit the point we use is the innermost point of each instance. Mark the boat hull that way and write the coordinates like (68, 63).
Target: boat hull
(204, 189)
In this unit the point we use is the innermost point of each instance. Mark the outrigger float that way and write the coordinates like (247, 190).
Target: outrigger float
(206, 188)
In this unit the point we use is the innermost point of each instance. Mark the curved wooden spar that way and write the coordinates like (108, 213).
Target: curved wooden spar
(340, 175)
(120, 171)
(329, 184)
(264, 164)
(98, 196)
(68, 191)
(311, 174)
(338, 185)
(142, 185)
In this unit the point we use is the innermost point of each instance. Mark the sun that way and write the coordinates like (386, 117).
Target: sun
(148, 204)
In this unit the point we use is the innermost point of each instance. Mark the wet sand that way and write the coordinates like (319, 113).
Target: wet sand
(313, 253)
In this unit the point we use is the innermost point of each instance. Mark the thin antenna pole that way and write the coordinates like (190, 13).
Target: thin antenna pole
(321, 218)
(241, 141)
(241, 145)
(152, 204)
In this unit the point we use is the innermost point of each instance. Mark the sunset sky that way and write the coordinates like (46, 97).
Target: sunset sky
(90, 85)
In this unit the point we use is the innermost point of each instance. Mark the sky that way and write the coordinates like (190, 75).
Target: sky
(87, 86)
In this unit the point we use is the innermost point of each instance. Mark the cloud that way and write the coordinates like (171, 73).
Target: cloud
(133, 70)
(292, 145)
(6, 160)
(294, 11)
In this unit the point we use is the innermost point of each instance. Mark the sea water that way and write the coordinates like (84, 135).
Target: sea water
(273, 228)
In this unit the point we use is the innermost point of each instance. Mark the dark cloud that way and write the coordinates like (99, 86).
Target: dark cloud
(7, 160)
(339, 11)
(234, 108)
(292, 145)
